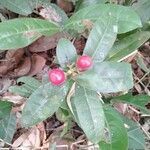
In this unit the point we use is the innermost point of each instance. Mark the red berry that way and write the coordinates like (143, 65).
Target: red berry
(84, 62)
(56, 76)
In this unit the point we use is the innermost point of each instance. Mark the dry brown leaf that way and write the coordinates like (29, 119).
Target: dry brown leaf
(15, 55)
(38, 63)
(49, 13)
(11, 60)
(46, 43)
(5, 83)
(79, 45)
(121, 107)
(33, 140)
(3, 69)
(61, 143)
(138, 87)
(24, 68)
(65, 5)
(20, 140)
(41, 128)
(42, 75)
(16, 99)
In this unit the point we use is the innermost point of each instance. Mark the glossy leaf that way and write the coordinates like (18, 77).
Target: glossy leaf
(127, 45)
(88, 112)
(142, 8)
(138, 101)
(7, 122)
(43, 103)
(127, 19)
(101, 38)
(65, 52)
(117, 138)
(21, 32)
(136, 137)
(107, 77)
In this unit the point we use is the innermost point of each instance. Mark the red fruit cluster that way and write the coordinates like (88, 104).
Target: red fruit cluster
(57, 76)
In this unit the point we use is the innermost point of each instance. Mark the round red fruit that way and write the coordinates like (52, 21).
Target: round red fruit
(84, 62)
(56, 76)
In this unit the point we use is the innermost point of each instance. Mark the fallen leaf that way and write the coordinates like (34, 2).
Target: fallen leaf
(5, 83)
(62, 143)
(38, 63)
(42, 75)
(24, 68)
(49, 13)
(16, 99)
(79, 45)
(138, 88)
(41, 128)
(33, 140)
(12, 59)
(15, 55)
(65, 5)
(3, 69)
(46, 43)
(20, 139)
(121, 107)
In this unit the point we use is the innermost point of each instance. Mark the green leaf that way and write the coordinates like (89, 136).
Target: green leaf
(21, 90)
(127, 45)
(85, 3)
(127, 19)
(101, 38)
(88, 112)
(62, 115)
(117, 139)
(36, 3)
(5, 108)
(65, 52)
(107, 77)
(18, 6)
(7, 122)
(43, 103)
(138, 101)
(67, 88)
(29, 81)
(136, 137)
(17, 33)
(27, 88)
(22, 7)
(142, 65)
(142, 9)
